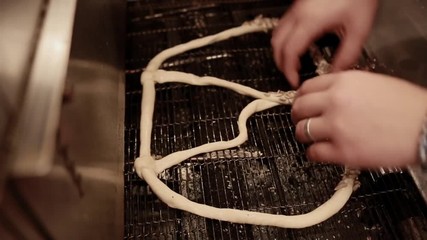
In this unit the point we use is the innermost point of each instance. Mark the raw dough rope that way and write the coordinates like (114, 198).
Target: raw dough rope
(148, 168)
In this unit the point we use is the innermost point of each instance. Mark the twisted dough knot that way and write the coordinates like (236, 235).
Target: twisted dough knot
(144, 163)
(148, 75)
(266, 23)
(283, 97)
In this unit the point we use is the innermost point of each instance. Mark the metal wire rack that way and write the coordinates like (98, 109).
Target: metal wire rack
(269, 173)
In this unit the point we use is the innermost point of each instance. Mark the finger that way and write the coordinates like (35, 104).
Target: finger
(314, 131)
(349, 49)
(323, 152)
(280, 33)
(284, 25)
(285, 18)
(316, 84)
(297, 43)
(310, 105)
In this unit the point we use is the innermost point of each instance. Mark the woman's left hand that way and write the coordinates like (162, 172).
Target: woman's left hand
(360, 119)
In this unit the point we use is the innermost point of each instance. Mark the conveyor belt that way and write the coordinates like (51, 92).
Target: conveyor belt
(269, 173)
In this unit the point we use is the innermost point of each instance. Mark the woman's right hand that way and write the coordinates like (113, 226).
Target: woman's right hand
(307, 20)
(360, 119)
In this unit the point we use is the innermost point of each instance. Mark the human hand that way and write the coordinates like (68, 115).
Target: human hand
(307, 20)
(360, 119)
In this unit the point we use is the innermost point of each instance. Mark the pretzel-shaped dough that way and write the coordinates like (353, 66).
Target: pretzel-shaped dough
(148, 168)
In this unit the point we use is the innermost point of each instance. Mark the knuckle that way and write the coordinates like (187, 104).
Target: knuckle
(297, 111)
(338, 98)
(288, 52)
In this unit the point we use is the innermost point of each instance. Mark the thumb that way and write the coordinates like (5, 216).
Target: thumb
(348, 51)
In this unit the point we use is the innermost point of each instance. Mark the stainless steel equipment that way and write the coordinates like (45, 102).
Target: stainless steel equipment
(62, 142)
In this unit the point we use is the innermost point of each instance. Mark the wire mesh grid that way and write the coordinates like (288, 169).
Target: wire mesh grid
(269, 173)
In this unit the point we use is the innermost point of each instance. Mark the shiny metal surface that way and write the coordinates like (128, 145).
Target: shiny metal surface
(18, 29)
(33, 143)
(420, 178)
(399, 39)
(81, 197)
(20, 22)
